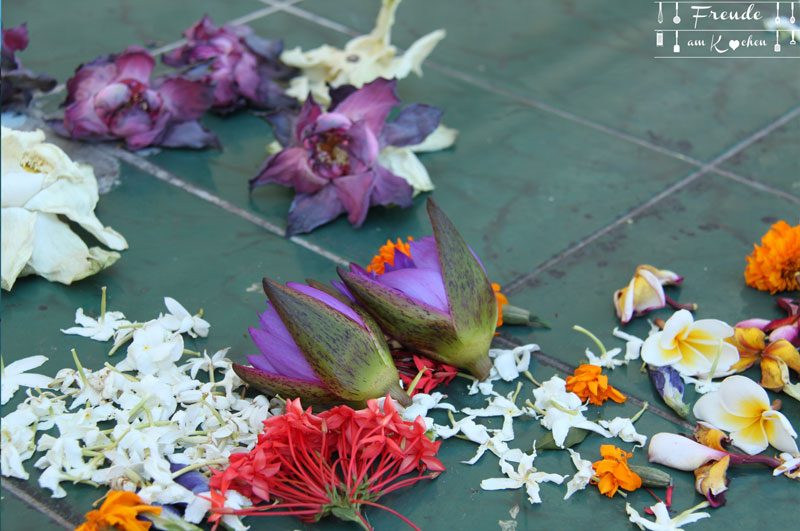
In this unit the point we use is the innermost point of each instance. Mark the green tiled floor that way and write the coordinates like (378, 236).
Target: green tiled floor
(579, 157)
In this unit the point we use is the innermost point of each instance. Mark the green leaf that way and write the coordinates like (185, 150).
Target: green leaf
(574, 436)
(473, 305)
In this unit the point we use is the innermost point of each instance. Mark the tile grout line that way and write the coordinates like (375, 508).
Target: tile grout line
(520, 281)
(172, 179)
(244, 19)
(755, 184)
(36, 504)
(322, 21)
(565, 368)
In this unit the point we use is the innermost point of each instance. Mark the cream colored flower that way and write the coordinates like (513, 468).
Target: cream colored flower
(363, 59)
(39, 184)
(663, 521)
(742, 407)
(692, 347)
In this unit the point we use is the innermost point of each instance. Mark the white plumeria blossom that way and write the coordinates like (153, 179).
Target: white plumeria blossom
(160, 414)
(693, 348)
(633, 344)
(363, 59)
(790, 465)
(663, 522)
(40, 183)
(525, 475)
(561, 410)
(742, 407)
(14, 376)
(180, 320)
(506, 365)
(583, 475)
(101, 329)
(623, 428)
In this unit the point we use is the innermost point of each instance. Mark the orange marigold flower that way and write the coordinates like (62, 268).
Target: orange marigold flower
(119, 511)
(613, 471)
(501, 301)
(587, 382)
(386, 255)
(775, 266)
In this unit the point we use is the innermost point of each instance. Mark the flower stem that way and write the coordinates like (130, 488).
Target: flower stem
(415, 381)
(639, 414)
(196, 466)
(680, 306)
(103, 305)
(716, 361)
(592, 337)
(400, 516)
(80, 369)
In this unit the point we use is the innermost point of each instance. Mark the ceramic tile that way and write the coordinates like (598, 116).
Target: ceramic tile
(596, 60)
(552, 182)
(703, 233)
(772, 160)
(61, 38)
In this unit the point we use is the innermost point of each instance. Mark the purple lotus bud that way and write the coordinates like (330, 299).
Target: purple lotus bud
(242, 66)
(113, 98)
(331, 158)
(313, 345)
(18, 83)
(435, 300)
(669, 385)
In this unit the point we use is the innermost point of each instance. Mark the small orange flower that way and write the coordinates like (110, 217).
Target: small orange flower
(119, 511)
(386, 255)
(501, 301)
(587, 382)
(775, 266)
(613, 471)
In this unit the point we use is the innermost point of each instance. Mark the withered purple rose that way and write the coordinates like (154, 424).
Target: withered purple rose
(331, 158)
(113, 98)
(18, 83)
(242, 66)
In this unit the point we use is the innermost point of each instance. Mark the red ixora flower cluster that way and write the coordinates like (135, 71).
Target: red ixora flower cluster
(310, 466)
(435, 373)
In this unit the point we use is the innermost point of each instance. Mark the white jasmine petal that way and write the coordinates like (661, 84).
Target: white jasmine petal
(582, 476)
(624, 429)
(14, 376)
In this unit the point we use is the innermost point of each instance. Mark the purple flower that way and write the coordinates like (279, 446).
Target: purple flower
(438, 301)
(241, 65)
(669, 385)
(17, 83)
(314, 345)
(331, 158)
(113, 98)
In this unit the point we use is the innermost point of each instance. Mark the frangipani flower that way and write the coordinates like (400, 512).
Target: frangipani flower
(711, 481)
(317, 347)
(112, 98)
(694, 348)
(663, 521)
(525, 475)
(787, 328)
(41, 183)
(742, 407)
(331, 158)
(239, 64)
(14, 376)
(683, 453)
(363, 59)
(18, 83)
(439, 302)
(775, 266)
(645, 292)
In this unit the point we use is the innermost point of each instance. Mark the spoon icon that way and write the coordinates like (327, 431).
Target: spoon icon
(661, 13)
(676, 19)
(791, 19)
(777, 12)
